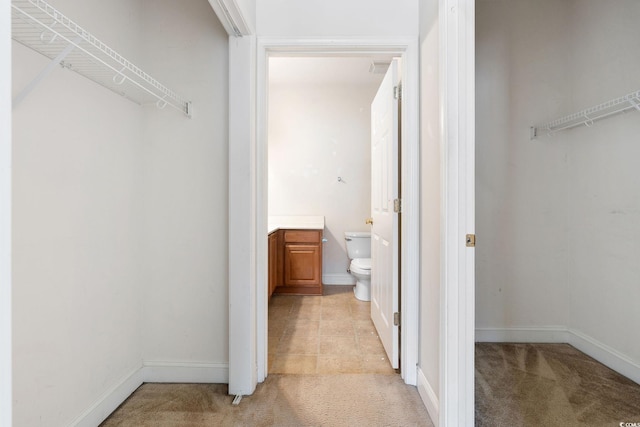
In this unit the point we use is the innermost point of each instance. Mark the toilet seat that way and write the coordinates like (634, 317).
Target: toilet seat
(361, 266)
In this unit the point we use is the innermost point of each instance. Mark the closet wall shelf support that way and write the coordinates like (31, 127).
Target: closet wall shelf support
(43, 75)
(37, 25)
(587, 117)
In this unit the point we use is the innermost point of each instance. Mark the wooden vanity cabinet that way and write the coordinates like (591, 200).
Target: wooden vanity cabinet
(300, 258)
(275, 263)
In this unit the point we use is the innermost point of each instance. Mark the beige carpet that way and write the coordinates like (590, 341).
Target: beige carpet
(549, 385)
(282, 400)
(527, 385)
(327, 367)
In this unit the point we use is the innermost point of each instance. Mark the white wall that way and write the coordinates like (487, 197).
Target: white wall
(317, 133)
(120, 224)
(76, 220)
(603, 178)
(335, 18)
(184, 247)
(521, 249)
(248, 8)
(558, 217)
(5, 215)
(430, 207)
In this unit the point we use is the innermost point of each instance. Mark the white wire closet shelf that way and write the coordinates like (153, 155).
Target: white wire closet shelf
(37, 25)
(587, 117)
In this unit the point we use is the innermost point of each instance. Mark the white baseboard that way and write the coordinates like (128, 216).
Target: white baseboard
(603, 353)
(429, 398)
(110, 400)
(338, 279)
(185, 372)
(606, 355)
(151, 372)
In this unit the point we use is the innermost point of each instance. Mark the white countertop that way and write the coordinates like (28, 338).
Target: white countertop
(296, 222)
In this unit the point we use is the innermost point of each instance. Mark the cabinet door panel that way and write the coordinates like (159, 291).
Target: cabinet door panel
(302, 265)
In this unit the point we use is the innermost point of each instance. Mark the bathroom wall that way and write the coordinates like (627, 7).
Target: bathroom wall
(558, 216)
(318, 133)
(77, 155)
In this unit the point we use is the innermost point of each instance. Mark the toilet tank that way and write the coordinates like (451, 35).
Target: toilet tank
(358, 244)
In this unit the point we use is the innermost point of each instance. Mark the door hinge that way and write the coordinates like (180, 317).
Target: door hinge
(397, 92)
(396, 319)
(397, 205)
(471, 240)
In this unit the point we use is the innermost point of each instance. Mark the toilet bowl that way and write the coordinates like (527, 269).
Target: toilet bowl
(360, 268)
(359, 252)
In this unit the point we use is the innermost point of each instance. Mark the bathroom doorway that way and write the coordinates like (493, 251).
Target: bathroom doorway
(410, 183)
(319, 166)
(319, 146)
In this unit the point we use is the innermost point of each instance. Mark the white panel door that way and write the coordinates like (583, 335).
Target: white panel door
(384, 230)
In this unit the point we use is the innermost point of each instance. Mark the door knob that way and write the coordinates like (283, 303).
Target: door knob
(369, 221)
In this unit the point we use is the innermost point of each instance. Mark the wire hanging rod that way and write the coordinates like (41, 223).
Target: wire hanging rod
(41, 27)
(588, 116)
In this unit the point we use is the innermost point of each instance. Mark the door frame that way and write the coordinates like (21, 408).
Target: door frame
(407, 49)
(453, 404)
(457, 283)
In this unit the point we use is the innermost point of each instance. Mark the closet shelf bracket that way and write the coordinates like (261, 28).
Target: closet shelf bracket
(587, 117)
(43, 74)
(38, 26)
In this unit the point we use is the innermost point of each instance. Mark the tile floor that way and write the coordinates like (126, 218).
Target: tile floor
(326, 334)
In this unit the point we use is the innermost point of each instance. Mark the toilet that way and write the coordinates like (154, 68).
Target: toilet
(359, 252)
